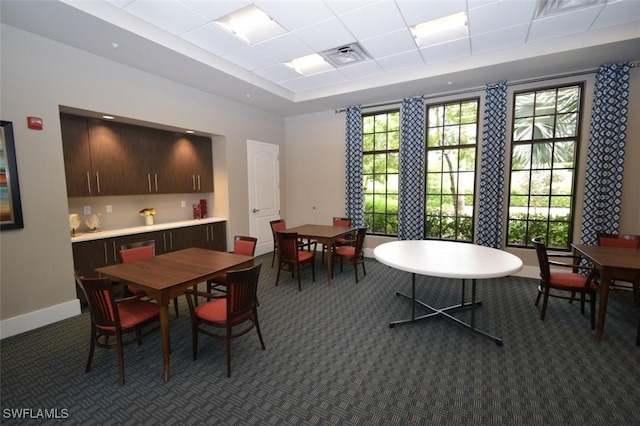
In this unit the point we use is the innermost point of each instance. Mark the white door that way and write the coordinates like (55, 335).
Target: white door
(264, 192)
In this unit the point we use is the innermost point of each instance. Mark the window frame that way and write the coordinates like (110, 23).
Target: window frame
(577, 139)
(475, 171)
(371, 228)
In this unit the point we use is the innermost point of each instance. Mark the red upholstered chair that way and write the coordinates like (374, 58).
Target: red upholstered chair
(235, 312)
(353, 252)
(291, 255)
(138, 251)
(111, 317)
(342, 241)
(241, 245)
(631, 242)
(276, 226)
(572, 282)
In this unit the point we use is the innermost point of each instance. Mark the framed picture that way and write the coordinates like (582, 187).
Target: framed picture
(10, 205)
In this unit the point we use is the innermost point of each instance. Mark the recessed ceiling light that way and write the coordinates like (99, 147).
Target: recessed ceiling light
(189, 131)
(452, 26)
(251, 24)
(108, 117)
(310, 64)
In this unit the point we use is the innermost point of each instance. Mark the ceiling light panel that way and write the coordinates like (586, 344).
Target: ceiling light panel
(441, 30)
(310, 64)
(251, 24)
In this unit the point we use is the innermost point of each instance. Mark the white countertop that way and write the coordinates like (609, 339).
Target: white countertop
(89, 236)
(447, 259)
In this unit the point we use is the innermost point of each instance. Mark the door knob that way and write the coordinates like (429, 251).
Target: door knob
(256, 210)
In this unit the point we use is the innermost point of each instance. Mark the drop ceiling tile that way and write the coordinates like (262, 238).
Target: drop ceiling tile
(277, 73)
(325, 35)
(504, 14)
(390, 43)
(170, 16)
(294, 15)
(214, 39)
(374, 20)
(213, 10)
(501, 39)
(361, 70)
(250, 59)
(416, 12)
(401, 61)
(314, 82)
(564, 24)
(283, 48)
(616, 13)
(446, 51)
(340, 7)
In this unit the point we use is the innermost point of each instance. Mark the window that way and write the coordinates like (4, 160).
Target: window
(452, 134)
(545, 139)
(381, 145)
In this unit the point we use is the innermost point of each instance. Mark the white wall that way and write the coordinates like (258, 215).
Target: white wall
(38, 75)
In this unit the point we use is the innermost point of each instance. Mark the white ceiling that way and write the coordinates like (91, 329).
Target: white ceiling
(177, 39)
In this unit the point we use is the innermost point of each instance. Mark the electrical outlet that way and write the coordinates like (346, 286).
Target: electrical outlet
(86, 209)
(109, 208)
(183, 204)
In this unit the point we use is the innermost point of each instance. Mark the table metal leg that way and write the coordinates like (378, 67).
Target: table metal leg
(166, 345)
(445, 311)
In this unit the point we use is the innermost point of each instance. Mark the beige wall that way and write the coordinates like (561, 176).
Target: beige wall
(38, 75)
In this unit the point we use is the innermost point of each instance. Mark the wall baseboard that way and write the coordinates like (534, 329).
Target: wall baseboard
(32, 320)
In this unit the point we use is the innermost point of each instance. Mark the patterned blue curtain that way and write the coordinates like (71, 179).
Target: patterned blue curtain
(354, 200)
(605, 156)
(490, 205)
(411, 185)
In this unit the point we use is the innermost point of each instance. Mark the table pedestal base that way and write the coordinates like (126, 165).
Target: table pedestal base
(444, 311)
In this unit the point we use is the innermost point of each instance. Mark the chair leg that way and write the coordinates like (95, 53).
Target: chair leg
(278, 276)
(593, 310)
(194, 340)
(257, 323)
(228, 350)
(120, 358)
(355, 267)
(298, 270)
(545, 302)
(175, 306)
(638, 338)
(538, 297)
(92, 347)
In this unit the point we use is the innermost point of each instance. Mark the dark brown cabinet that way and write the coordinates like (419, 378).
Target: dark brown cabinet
(109, 158)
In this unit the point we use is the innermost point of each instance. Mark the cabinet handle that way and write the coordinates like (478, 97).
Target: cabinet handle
(199, 189)
(164, 241)
(106, 258)
(98, 182)
(89, 182)
(193, 182)
(207, 228)
(149, 181)
(171, 240)
(114, 252)
(155, 178)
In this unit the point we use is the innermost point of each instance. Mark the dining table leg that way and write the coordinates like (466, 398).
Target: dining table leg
(166, 344)
(329, 244)
(605, 279)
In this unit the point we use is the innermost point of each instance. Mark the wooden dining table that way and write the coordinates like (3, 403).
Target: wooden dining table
(611, 262)
(167, 276)
(324, 234)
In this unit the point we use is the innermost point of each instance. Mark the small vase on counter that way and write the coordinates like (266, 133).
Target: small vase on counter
(148, 220)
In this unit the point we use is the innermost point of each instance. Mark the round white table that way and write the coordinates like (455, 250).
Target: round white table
(447, 259)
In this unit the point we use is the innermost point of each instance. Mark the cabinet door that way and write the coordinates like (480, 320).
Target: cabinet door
(112, 167)
(182, 238)
(218, 236)
(203, 166)
(89, 255)
(77, 156)
(140, 150)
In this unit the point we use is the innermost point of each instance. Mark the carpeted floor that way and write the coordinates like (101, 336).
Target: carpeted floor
(331, 359)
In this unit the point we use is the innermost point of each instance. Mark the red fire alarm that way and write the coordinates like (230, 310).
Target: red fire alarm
(34, 123)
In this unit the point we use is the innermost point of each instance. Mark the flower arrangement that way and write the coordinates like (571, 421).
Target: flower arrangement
(147, 211)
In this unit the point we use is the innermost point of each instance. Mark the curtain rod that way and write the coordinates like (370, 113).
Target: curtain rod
(475, 89)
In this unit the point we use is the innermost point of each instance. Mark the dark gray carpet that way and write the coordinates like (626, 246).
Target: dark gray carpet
(331, 359)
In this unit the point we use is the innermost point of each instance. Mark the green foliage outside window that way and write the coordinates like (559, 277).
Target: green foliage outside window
(544, 150)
